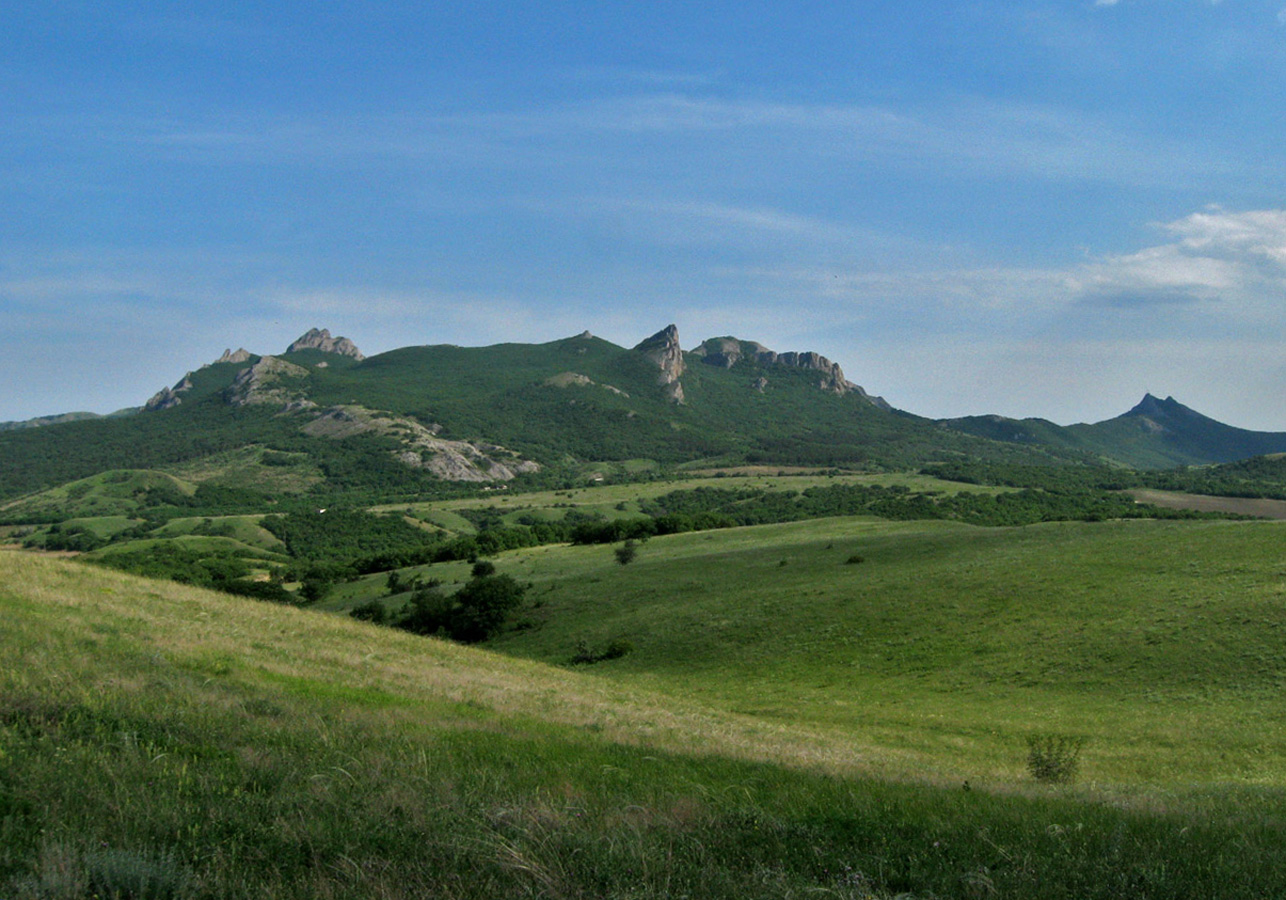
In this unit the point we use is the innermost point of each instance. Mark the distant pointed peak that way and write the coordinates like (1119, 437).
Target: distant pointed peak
(1152, 405)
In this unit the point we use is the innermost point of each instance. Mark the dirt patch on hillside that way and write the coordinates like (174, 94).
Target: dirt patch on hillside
(1243, 506)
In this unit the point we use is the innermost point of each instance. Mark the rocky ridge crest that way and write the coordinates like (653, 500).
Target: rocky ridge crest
(168, 397)
(320, 339)
(728, 351)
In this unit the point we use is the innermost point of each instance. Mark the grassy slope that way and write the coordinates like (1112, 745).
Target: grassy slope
(229, 748)
(1161, 642)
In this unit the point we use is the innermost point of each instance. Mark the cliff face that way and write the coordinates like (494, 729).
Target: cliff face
(727, 352)
(662, 349)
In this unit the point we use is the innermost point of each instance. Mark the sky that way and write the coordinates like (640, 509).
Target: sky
(1030, 208)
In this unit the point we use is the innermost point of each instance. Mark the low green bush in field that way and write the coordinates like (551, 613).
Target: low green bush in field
(1054, 758)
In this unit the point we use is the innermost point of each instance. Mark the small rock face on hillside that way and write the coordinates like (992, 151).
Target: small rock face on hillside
(421, 447)
(167, 398)
(320, 339)
(575, 379)
(267, 382)
(663, 350)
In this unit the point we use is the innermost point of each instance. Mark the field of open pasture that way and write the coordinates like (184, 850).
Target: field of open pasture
(937, 647)
(163, 741)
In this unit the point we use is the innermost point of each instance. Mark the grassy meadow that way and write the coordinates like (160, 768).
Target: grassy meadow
(933, 649)
(836, 707)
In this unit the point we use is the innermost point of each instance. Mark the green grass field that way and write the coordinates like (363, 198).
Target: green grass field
(162, 741)
(1162, 643)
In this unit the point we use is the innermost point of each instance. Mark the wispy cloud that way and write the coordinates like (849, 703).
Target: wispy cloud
(966, 135)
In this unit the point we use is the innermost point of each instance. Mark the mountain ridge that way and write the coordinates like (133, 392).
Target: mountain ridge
(513, 410)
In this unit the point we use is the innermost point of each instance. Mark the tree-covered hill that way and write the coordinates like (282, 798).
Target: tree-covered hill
(419, 419)
(331, 423)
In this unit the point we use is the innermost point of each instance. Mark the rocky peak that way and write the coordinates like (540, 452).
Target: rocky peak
(168, 397)
(241, 355)
(662, 350)
(320, 339)
(727, 352)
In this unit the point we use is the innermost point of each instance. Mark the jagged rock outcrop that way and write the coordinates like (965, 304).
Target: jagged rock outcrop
(728, 351)
(662, 350)
(268, 381)
(240, 355)
(422, 448)
(167, 398)
(320, 339)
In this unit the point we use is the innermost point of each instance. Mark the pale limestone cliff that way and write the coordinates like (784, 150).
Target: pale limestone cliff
(662, 350)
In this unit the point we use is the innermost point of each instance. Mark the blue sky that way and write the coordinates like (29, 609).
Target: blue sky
(1027, 208)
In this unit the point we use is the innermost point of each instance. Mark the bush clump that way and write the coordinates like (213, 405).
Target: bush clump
(627, 552)
(1054, 758)
(615, 650)
(472, 614)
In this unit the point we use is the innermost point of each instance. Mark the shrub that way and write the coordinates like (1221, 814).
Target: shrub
(427, 612)
(615, 650)
(1054, 758)
(313, 589)
(371, 611)
(627, 552)
(482, 605)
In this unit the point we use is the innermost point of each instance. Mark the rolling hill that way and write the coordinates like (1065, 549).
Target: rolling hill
(163, 741)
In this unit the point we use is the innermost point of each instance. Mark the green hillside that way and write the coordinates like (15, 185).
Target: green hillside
(1155, 434)
(937, 646)
(423, 420)
(161, 741)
